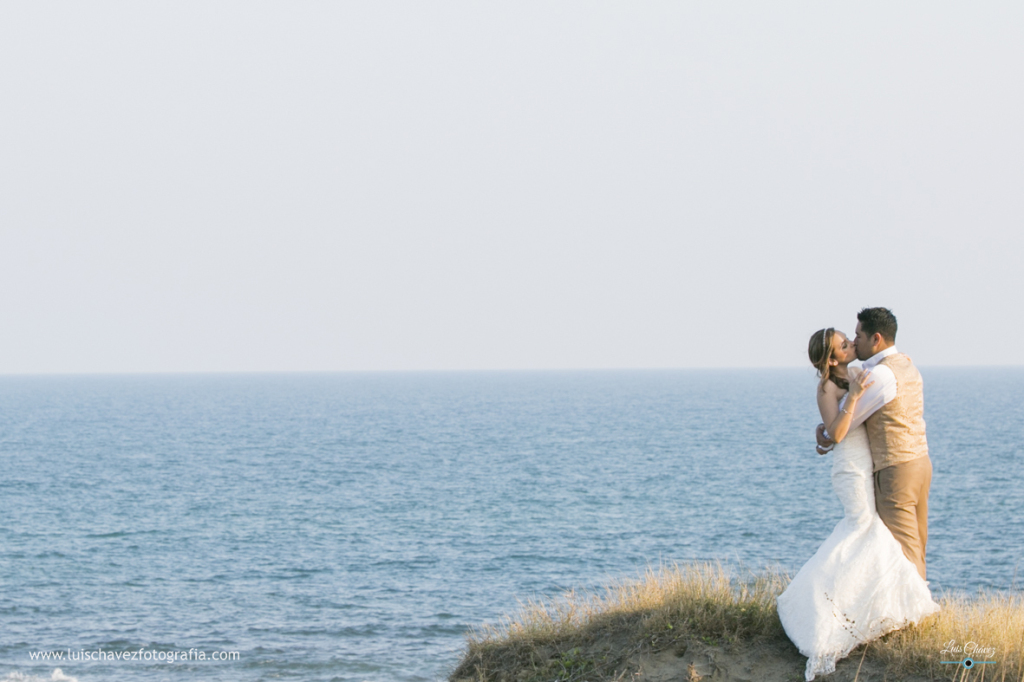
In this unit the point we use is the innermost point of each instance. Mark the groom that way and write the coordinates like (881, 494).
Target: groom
(892, 409)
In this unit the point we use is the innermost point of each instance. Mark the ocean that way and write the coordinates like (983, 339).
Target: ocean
(354, 526)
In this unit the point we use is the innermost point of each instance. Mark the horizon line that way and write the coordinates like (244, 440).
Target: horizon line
(496, 370)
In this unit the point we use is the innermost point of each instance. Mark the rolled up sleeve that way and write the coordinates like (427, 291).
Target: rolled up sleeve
(874, 396)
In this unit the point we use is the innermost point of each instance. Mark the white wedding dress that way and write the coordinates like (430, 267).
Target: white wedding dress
(858, 585)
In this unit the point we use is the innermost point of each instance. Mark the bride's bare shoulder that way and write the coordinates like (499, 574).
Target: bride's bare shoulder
(831, 390)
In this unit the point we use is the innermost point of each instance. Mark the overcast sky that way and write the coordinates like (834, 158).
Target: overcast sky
(247, 186)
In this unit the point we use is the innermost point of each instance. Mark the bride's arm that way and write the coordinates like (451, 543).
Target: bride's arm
(828, 404)
(838, 420)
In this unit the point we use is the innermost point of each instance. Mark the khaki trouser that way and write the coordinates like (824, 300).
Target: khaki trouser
(901, 497)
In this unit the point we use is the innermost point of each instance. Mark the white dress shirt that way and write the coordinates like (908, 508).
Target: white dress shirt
(877, 394)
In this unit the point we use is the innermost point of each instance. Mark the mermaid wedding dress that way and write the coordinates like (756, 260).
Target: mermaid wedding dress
(858, 585)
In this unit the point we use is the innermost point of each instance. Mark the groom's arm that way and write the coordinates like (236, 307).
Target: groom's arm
(877, 394)
(825, 444)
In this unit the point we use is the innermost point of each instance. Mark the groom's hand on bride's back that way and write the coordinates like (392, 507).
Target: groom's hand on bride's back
(824, 444)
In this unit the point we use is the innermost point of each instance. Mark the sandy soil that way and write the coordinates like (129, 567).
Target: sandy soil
(747, 663)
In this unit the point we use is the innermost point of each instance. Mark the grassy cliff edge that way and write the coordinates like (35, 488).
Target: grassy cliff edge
(696, 620)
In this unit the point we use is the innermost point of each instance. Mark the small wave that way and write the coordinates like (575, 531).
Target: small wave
(57, 676)
(429, 630)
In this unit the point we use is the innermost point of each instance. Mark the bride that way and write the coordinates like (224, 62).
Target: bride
(858, 585)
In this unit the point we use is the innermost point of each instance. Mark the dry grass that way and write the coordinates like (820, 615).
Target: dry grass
(987, 627)
(597, 636)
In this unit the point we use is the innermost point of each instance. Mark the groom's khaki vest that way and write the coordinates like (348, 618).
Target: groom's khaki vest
(896, 430)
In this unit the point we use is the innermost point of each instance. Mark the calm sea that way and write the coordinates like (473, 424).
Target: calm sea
(353, 526)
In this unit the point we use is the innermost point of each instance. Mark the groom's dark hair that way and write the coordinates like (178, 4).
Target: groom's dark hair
(878, 321)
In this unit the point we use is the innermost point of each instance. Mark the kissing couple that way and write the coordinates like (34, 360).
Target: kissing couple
(868, 577)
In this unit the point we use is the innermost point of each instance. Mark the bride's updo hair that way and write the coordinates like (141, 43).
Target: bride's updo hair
(819, 350)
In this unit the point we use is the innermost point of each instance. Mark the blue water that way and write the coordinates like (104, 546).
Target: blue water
(354, 526)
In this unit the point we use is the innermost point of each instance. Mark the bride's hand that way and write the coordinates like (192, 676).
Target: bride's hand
(859, 383)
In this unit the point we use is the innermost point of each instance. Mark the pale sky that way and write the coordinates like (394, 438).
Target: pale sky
(302, 186)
